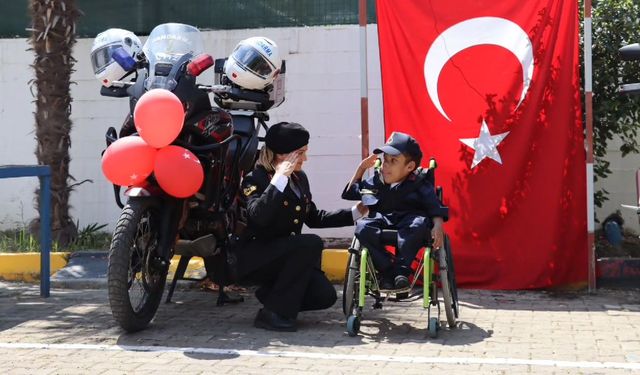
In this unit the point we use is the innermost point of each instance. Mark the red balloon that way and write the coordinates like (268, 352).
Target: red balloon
(178, 171)
(128, 161)
(159, 117)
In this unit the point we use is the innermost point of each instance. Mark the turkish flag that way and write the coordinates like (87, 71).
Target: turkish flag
(491, 89)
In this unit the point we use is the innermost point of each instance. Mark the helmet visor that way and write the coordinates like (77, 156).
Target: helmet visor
(101, 57)
(253, 60)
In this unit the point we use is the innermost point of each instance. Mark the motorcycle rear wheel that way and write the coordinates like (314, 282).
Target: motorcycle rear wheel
(136, 275)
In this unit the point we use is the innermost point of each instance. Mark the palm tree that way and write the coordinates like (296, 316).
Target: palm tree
(52, 38)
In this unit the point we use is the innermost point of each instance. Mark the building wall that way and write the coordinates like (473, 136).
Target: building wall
(322, 91)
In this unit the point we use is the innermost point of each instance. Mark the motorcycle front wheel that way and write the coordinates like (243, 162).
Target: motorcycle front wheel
(136, 274)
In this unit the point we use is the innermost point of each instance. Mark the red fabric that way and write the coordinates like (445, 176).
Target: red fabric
(517, 224)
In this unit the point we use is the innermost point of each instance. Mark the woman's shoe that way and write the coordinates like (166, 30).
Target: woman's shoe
(267, 319)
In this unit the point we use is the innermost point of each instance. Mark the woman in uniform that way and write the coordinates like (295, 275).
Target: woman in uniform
(275, 255)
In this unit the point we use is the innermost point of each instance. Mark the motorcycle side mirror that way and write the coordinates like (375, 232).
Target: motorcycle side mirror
(199, 64)
(123, 59)
(630, 52)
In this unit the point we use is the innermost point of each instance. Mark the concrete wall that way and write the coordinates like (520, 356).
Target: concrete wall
(323, 93)
(17, 143)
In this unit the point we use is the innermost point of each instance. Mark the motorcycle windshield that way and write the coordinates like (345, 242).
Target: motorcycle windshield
(168, 47)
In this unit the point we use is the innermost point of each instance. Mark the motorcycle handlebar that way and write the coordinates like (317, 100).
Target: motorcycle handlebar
(216, 89)
(223, 90)
(122, 83)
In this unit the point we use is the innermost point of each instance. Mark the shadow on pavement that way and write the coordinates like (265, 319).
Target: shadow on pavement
(399, 332)
(195, 321)
(64, 314)
(211, 356)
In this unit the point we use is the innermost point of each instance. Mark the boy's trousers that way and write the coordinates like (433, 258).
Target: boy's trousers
(413, 230)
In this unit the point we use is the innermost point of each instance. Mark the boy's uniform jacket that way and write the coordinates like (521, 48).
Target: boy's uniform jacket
(414, 196)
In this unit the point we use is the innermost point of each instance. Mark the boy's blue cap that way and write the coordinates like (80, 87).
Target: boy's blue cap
(400, 143)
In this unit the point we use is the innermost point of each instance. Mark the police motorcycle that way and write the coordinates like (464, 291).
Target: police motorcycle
(153, 225)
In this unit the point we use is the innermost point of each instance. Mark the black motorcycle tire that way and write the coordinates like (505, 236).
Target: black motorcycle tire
(130, 263)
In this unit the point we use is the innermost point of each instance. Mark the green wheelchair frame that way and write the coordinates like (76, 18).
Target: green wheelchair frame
(361, 280)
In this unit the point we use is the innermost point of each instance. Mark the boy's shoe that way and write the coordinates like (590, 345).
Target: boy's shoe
(401, 282)
(386, 281)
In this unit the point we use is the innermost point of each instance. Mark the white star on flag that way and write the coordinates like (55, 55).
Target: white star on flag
(486, 145)
(133, 177)
(186, 156)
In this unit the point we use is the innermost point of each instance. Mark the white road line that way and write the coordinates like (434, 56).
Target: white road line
(330, 356)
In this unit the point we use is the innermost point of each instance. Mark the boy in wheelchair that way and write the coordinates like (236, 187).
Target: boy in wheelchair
(400, 196)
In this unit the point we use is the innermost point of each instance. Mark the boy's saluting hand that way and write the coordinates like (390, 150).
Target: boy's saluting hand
(365, 164)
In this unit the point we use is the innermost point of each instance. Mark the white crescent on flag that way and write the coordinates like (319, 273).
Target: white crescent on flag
(473, 32)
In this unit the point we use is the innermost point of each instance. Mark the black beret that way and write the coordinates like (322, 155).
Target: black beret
(284, 137)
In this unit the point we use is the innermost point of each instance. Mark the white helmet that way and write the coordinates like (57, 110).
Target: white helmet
(104, 66)
(254, 63)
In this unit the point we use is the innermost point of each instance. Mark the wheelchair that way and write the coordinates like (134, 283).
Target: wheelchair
(361, 279)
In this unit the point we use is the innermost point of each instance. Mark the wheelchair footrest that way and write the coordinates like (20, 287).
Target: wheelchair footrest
(395, 291)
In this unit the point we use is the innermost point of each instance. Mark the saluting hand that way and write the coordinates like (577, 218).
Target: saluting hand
(288, 164)
(368, 162)
(365, 164)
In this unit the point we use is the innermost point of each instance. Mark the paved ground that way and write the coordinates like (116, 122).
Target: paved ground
(500, 332)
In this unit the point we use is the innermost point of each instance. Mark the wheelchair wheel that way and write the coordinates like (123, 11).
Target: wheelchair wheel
(448, 280)
(401, 296)
(350, 289)
(353, 325)
(452, 279)
(433, 328)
